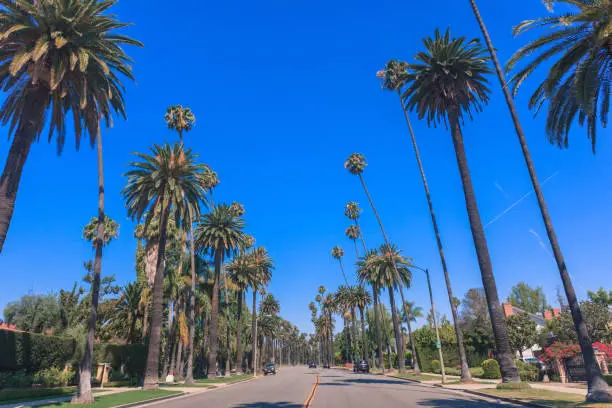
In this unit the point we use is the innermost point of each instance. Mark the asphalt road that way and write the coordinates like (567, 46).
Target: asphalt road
(295, 388)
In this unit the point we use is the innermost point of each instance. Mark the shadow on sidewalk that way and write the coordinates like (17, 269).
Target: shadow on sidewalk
(458, 403)
(265, 404)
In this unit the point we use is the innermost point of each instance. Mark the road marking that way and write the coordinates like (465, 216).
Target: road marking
(311, 395)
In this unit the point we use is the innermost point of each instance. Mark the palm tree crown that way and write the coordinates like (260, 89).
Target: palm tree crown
(180, 119)
(414, 312)
(388, 261)
(449, 79)
(337, 253)
(579, 82)
(352, 232)
(111, 230)
(352, 210)
(64, 54)
(355, 163)
(220, 230)
(394, 75)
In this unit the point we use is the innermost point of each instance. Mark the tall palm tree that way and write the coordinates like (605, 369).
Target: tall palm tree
(342, 301)
(180, 119)
(239, 272)
(362, 300)
(410, 314)
(259, 277)
(352, 211)
(59, 57)
(338, 253)
(329, 308)
(167, 179)
(394, 79)
(579, 81)
(367, 272)
(352, 232)
(220, 233)
(450, 79)
(594, 27)
(356, 164)
(128, 308)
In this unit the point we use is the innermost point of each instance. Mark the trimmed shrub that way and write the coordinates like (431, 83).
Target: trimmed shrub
(129, 359)
(53, 377)
(33, 352)
(608, 378)
(17, 379)
(490, 369)
(436, 366)
(514, 386)
(477, 372)
(527, 372)
(555, 378)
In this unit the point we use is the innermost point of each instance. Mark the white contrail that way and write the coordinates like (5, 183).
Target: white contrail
(542, 244)
(517, 202)
(501, 189)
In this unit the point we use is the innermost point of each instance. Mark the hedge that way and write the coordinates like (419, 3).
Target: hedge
(19, 394)
(32, 352)
(133, 358)
(608, 378)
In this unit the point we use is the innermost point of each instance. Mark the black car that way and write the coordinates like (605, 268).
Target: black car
(361, 366)
(269, 369)
(312, 365)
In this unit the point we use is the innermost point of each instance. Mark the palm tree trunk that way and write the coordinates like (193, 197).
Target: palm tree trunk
(396, 330)
(84, 395)
(354, 333)
(254, 332)
(15, 161)
(178, 368)
(214, 318)
(364, 346)
(168, 353)
(381, 358)
(227, 325)
(145, 321)
(504, 353)
(239, 335)
(152, 370)
(189, 376)
(598, 388)
(466, 376)
(343, 274)
(333, 351)
(365, 248)
(174, 351)
(417, 369)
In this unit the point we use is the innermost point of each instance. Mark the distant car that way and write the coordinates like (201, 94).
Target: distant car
(269, 369)
(361, 366)
(312, 365)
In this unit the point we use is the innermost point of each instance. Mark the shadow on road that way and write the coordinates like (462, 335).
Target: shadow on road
(266, 404)
(368, 380)
(457, 403)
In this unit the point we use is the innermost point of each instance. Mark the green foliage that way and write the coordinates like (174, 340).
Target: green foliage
(425, 342)
(133, 358)
(528, 372)
(513, 386)
(491, 370)
(13, 394)
(522, 332)
(34, 352)
(527, 298)
(597, 317)
(18, 379)
(600, 297)
(608, 378)
(33, 313)
(436, 367)
(476, 326)
(111, 231)
(53, 377)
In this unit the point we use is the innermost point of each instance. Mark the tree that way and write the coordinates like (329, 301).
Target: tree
(51, 73)
(475, 323)
(597, 318)
(260, 276)
(600, 297)
(394, 79)
(220, 234)
(450, 79)
(352, 211)
(578, 83)
(128, 308)
(527, 298)
(240, 270)
(34, 313)
(179, 119)
(598, 388)
(410, 315)
(362, 300)
(522, 332)
(352, 232)
(167, 179)
(338, 253)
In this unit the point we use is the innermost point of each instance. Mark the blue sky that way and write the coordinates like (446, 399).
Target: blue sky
(283, 93)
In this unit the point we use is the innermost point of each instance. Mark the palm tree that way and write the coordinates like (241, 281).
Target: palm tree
(240, 270)
(410, 314)
(394, 76)
(128, 308)
(352, 212)
(219, 233)
(179, 119)
(367, 272)
(182, 120)
(259, 277)
(338, 253)
(449, 79)
(48, 72)
(395, 274)
(356, 164)
(352, 232)
(579, 81)
(362, 300)
(167, 179)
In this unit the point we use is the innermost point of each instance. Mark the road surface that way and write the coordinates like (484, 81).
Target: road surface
(295, 388)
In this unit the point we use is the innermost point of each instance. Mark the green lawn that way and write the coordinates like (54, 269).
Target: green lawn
(224, 380)
(423, 377)
(120, 398)
(557, 399)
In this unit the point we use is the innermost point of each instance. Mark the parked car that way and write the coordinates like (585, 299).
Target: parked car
(536, 361)
(361, 366)
(312, 365)
(269, 369)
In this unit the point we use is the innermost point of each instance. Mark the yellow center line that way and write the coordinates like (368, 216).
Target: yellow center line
(311, 395)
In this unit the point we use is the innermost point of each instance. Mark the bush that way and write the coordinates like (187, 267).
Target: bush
(527, 372)
(491, 369)
(435, 366)
(53, 377)
(555, 378)
(477, 372)
(129, 359)
(513, 386)
(608, 378)
(17, 379)
(33, 352)
(452, 371)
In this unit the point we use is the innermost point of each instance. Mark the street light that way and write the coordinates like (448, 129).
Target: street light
(435, 319)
